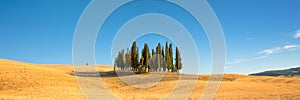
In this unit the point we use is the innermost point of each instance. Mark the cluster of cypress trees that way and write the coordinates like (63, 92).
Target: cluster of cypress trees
(161, 59)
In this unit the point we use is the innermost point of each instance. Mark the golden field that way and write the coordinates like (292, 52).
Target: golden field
(19, 80)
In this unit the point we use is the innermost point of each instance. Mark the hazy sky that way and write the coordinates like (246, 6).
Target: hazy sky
(259, 34)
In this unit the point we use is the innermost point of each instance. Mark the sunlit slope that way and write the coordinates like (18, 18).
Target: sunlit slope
(54, 81)
(27, 81)
(233, 86)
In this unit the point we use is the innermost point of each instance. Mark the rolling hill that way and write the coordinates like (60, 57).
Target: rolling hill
(286, 72)
(19, 80)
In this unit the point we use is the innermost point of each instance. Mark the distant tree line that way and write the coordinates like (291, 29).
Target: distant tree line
(160, 60)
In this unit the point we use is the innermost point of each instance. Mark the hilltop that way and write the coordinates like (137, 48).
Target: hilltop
(285, 72)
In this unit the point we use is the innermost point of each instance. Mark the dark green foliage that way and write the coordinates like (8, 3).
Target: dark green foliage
(127, 59)
(153, 52)
(145, 59)
(161, 59)
(162, 52)
(171, 66)
(120, 60)
(158, 57)
(138, 57)
(134, 56)
(167, 57)
(141, 61)
(178, 64)
(158, 49)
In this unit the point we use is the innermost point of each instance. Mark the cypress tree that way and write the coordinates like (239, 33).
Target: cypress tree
(138, 57)
(142, 61)
(163, 61)
(162, 58)
(158, 56)
(152, 61)
(142, 58)
(134, 56)
(162, 52)
(120, 60)
(178, 64)
(167, 61)
(171, 58)
(127, 59)
(158, 49)
(145, 56)
(123, 62)
(153, 52)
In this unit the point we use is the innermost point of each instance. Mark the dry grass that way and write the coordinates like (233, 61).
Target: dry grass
(27, 81)
(31, 81)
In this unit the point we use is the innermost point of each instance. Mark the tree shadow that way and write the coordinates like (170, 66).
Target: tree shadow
(113, 74)
(117, 74)
(103, 74)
